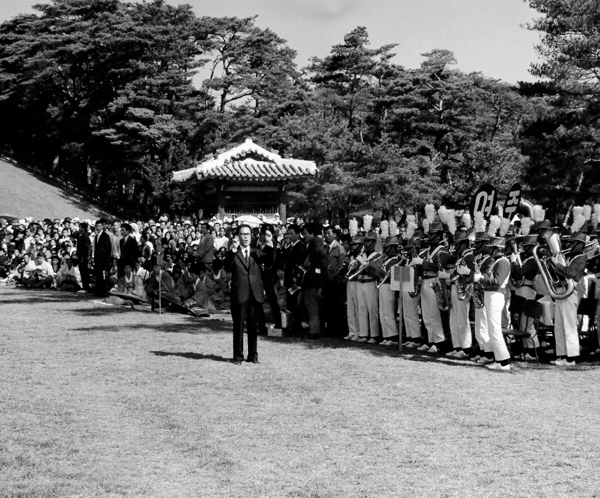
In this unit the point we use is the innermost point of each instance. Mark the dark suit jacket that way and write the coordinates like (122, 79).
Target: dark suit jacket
(206, 249)
(315, 263)
(102, 248)
(246, 281)
(129, 251)
(84, 246)
(296, 256)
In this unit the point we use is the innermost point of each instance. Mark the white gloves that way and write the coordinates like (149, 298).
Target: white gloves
(463, 270)
(361, 259)
(477, 277)
(513, 258)
(416, 261)
(555, 259)
(444, 275)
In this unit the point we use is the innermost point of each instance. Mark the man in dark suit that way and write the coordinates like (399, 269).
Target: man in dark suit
(295, 258)
(315, 265)
(128, 249)
(247, 292)
(84, 253)
(102, 257)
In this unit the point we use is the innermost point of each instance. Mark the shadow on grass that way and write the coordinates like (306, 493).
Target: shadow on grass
(196, 327)
(193, 356)
(37, 296)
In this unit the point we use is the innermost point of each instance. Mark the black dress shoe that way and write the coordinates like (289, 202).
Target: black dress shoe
(314, 337)
(236, 362)
(252, 360)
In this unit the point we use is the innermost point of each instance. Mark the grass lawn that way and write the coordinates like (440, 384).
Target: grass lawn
(99, 401)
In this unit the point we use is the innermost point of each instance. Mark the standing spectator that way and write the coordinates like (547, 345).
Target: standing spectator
(128, 249)
(316, 271)
(221, 240)
(206, 247)
(333, 297)
(295, 257)
(84, 252)
(102, 257)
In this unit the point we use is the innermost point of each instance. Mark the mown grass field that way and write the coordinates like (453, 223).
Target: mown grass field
(105, 402)
(23, 194)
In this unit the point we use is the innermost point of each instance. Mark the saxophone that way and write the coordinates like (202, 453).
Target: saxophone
(418, 277)
(476, 287)
(463, 291)
(440, 287)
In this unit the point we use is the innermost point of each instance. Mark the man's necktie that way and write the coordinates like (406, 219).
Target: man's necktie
(246, 259)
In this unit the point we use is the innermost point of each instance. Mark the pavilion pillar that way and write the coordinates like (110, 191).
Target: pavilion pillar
(221, 202)
(283, 198)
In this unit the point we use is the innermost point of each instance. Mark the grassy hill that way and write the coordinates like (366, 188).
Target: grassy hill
(23, 194)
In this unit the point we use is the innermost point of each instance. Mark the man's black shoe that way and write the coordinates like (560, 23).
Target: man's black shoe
(236, 362)
(252, 360)
(314, 337)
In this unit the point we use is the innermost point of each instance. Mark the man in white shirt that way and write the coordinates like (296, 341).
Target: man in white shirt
(69, 277)
(40, 271)
(221, 240)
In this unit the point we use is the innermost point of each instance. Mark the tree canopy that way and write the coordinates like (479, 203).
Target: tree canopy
(105, 93)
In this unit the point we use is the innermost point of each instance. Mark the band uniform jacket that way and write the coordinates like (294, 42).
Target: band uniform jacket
(296, 257)
(129, 251)
(246, 279)
(315, 263)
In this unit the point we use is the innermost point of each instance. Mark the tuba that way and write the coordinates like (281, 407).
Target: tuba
(558, 287)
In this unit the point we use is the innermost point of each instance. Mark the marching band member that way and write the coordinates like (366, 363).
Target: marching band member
(481, 264)
(388, 304)
(494, 282)
(352, 313)
(368, 303)
(410, 303)
(523, 274)
(429, 302)
(565, 326)
(460, 327)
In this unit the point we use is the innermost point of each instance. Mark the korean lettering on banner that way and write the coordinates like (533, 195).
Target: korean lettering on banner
(512, 201)
(484, 200)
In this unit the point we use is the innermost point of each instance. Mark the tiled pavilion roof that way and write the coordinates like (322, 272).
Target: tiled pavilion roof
(248, 162)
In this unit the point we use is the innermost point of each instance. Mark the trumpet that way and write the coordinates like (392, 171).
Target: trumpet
(558, 287)
(363, 267)
(401, 260)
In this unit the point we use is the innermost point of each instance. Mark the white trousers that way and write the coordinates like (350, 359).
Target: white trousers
(460, 328)
(410, 313)
(494, 307)
(565, 326)
(352, 307)
(387, 311)
(431, 313)
(368, 309)
(481, 330)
